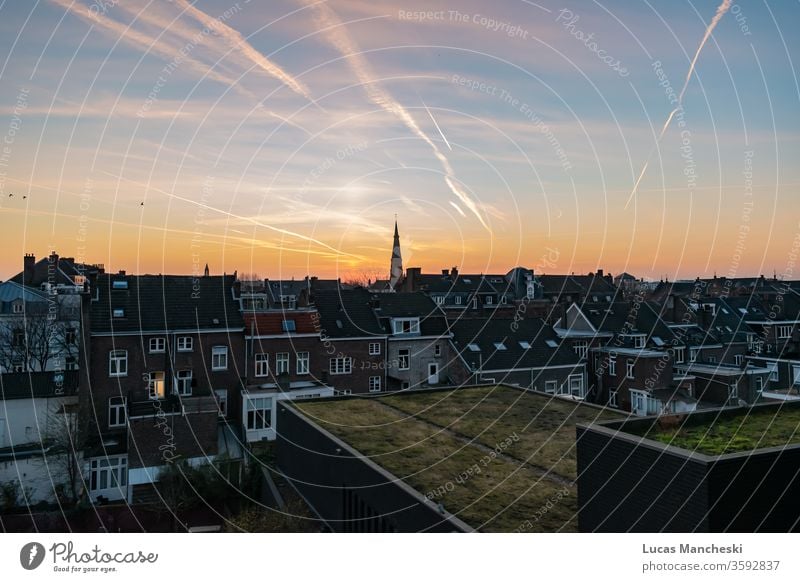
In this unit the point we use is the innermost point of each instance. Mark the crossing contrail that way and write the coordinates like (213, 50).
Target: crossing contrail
(721, 10)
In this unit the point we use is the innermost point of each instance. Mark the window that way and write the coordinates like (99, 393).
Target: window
(118, 312)
(18, 338)
(155, 385)
(612, 365)
(500, 346)
(474, 303)
(289, 325)
(185, 343)
(118, 363)
(342, 365)
(222, 401)
(759, 384)
(693, 354)
(108, 473)
(374, 349)
(581, 348)
(473, 347)
(70, 336)
(489, 300)
(680, 354)
(439, 300)
(219, 358)
(733, 392)
(406, 325)
(524, 345)
(403, 360)
(262, 365)
(738, 359)
(437, 350)
(629, 366)
(119, 284)
(303, 359)
(612, 398)
(157, 344)
(504, 299)
(576, 385)
(531, 291)
(374, 383)
(71, 363)
(116, 412)
(796, 375)
(638, 341)
(550, 386)
(183, 382)
(259, 413)
(784, 331)
(773, 371)
(712, 359)
(281, 363)
(17, 308)
(458, 299)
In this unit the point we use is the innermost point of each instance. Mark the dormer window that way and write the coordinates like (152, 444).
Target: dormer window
(289, 325)
(119, 285)
(499, 346)
(17, 307)
(407, 325)
(118, 312)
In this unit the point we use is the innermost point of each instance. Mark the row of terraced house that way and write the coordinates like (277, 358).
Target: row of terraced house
(107, 378)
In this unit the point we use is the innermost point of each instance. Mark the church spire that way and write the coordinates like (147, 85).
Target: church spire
(396, 272)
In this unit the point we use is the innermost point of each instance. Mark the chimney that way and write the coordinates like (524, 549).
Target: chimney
(445, 272)
(28, 267)
(53, 258)
(454, 273)
(412, 279)
(121, 272)
(599, 273)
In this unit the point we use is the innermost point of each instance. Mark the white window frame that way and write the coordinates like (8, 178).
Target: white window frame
(439, 299)
(773, 371)
(375, 349)
(759, 384)
(115, 469)
(157, 345)
(374, 383)
(612, 399)
(784, 331)
(17, 307)
(638, 341)
(185, 343)
(581, 347)
(281, 363)
(219, 358)
(153, 393)
(261, 364)
(733, 392)
(630, 367)
(693, 353)
(458, 299)
(117, 412)
(680, 354)
(303, 364)
(115, 358)
(489, 300)
(404, 359)
(340, 366)
(612, 365)
(398, 325)
(550, 386)
(437, 350)
(738, 359)
(258, 413)
(575, 382)
(183, 382)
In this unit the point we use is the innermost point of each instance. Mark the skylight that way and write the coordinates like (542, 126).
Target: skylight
(119, 284)
(525, 345)
(658, 341)
(551, 343)
(499, 345)
(289, 325)
(474, 348)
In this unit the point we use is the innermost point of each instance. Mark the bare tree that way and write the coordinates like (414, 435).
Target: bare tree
(65, 440)
(365, 277)
(35, 340)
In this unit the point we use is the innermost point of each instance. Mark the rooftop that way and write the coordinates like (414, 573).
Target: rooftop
(493, 456)
(716, 433)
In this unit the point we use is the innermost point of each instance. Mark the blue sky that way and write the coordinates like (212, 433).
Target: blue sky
(285, 137)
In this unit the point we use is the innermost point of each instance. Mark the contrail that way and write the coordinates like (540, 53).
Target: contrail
(439, 129)
(721, 10)
(338, 37)
(237, 41)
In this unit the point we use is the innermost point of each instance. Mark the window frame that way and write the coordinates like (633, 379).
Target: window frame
(346, 366)
(303, 358)
(375, 384)
(113, 358)
(404, 359)
(117, 409)
(220, 352)
(181, 381)
(188, 343)
(630, 368)
(553, 383)
(259, 413)
(157, 341)
(374, 349)
(261, 365)
(282, 363)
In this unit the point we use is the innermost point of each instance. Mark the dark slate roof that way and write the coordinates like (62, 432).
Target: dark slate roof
(462, 283)
(164, 303)
(347, 314)
(10, 292)
(271, 322)
(650, 321)
(485, 332)
(20, 385)
(56, 270)
(748, 307)
(608, 317)
(418, 304)
(575, 285)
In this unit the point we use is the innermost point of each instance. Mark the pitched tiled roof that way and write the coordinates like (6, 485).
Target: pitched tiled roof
(347, 314)
(475, 340)
(418, 304)
(272, 322)
(164, 303)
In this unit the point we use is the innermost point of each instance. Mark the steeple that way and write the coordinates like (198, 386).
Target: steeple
(396, 271)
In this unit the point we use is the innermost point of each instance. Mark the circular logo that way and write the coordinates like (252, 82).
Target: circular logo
(31, 555)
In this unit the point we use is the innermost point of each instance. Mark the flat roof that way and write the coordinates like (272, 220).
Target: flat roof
(735, 431)
(499, 458)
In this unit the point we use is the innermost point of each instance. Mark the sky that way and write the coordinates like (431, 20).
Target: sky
(283, 138)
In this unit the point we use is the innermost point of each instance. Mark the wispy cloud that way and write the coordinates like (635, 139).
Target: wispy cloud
(333, 29)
